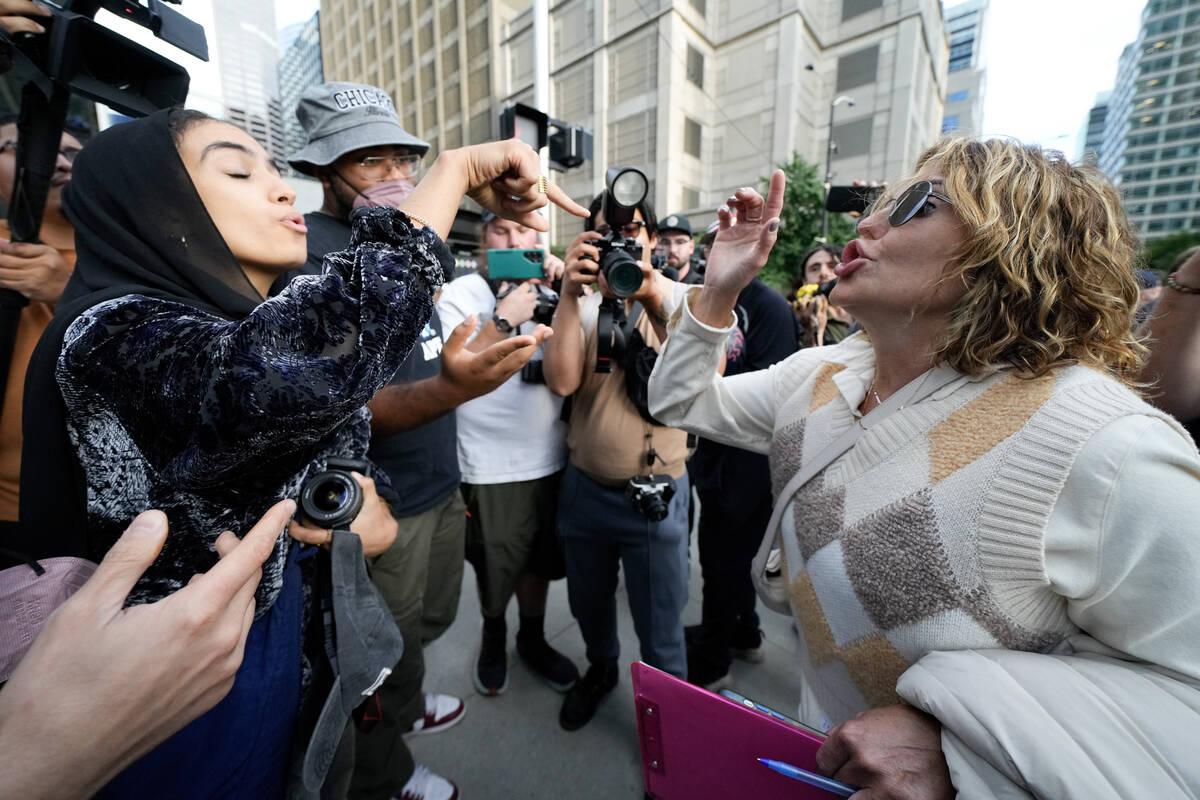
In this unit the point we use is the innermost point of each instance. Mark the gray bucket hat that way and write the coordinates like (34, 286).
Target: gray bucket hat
(341, 117)
(367, 643)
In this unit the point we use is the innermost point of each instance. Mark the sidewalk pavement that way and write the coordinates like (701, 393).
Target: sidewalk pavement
(511, 746)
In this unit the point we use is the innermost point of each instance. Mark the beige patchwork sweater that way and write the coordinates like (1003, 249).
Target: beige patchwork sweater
(997, 514)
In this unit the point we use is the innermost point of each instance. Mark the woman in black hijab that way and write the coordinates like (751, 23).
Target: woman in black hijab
(182, 389)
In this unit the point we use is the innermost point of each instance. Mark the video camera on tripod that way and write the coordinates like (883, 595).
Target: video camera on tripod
(78, 55)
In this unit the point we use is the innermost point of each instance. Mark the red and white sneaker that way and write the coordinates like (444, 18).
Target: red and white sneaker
(442, 711)
(426, 785)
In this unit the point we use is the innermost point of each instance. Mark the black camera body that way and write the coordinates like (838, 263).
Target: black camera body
(543, 312)
(618, 262)
(332, 499)
(651, 495)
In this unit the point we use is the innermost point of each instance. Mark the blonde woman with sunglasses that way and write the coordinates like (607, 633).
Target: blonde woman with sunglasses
(994, 577)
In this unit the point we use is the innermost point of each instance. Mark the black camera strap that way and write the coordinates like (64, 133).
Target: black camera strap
(612, 330)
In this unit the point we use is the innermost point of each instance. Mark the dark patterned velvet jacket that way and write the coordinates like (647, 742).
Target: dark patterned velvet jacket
(214, 421)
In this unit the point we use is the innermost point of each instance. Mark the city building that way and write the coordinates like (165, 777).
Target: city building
(1151, 145)
(244, 45)
(710, 95)
(299, 68)
(1091, 134)
(967, 75)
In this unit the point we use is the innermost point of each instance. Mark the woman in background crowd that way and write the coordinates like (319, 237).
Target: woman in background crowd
(818, 322)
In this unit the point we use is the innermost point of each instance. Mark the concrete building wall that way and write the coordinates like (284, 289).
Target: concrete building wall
(709, 95)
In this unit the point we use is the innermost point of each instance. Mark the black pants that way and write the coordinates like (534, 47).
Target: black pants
(728, 538)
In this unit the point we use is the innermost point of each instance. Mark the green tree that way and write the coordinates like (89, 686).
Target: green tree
(1161, 253)
(800, 222)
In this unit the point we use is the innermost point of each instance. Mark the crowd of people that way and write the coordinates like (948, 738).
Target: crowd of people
(942, 465)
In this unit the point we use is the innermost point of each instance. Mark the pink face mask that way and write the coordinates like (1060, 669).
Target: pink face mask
(386, 193)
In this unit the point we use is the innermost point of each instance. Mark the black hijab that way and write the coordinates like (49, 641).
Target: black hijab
(140, 228)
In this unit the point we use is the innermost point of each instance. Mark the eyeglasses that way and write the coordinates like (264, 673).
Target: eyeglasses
(911, 201)
(629, 231)
(375, 167)
(68, 153)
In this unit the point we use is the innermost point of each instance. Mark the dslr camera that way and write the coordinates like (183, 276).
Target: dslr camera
(332, 499)
(624, 189)
(651, 495)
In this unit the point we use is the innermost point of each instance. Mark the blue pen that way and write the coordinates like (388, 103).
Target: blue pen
(811, 778)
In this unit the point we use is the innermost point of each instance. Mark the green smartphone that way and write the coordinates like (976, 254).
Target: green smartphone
(518, 264)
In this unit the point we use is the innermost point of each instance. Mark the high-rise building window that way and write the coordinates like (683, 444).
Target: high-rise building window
(695, 66)
(689, 196)
(950, 124)
(957, 96)
(853, 138)
(857, 68)
(852, 8)
(692, 133)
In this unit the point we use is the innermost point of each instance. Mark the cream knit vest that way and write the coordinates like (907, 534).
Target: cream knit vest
(928, 534)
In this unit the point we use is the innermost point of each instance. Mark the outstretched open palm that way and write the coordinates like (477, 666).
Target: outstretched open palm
(747, 228)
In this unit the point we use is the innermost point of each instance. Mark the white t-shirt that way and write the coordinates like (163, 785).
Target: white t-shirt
(513, 433)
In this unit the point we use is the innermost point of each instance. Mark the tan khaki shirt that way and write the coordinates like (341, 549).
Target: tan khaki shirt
(607, 438)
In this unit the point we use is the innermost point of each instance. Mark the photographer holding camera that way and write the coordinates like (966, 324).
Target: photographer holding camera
(511, 452)
(625, 491)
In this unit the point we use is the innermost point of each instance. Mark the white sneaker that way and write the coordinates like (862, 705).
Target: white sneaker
(442, 711)
(426, 785)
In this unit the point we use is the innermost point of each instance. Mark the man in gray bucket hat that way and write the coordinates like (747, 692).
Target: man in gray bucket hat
(355, 142)
(362, 155)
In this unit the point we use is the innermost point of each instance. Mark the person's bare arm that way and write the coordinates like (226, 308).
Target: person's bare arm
(563, 365)
(102, 684)
(516, 304)
(1174, 339)
(464, 376)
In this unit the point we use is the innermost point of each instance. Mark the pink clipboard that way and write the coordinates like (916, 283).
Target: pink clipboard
(696, 744)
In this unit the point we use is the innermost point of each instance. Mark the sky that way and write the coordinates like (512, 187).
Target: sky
(1047, 59)
(289, 11)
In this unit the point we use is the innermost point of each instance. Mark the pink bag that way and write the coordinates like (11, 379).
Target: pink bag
(28, 598)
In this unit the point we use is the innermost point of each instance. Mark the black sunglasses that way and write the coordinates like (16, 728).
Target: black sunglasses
(911, 201)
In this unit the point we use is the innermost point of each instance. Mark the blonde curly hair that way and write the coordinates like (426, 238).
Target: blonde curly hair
(1048, 262)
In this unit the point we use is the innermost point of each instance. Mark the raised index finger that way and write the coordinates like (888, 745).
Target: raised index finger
(560, 198)
(774, 203)
(239, 565)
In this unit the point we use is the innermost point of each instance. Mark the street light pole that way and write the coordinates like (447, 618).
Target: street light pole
(829, 148)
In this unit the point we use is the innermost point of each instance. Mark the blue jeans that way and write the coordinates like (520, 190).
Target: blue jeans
(599, 528)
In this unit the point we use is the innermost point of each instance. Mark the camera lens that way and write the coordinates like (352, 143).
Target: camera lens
(330, 496)
(331, 499)
(622, 273)
(653, 507)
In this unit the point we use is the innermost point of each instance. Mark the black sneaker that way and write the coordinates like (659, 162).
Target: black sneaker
(707, 668)
(491, 667)
(579, 706)
(547, 663)
(746, 644)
